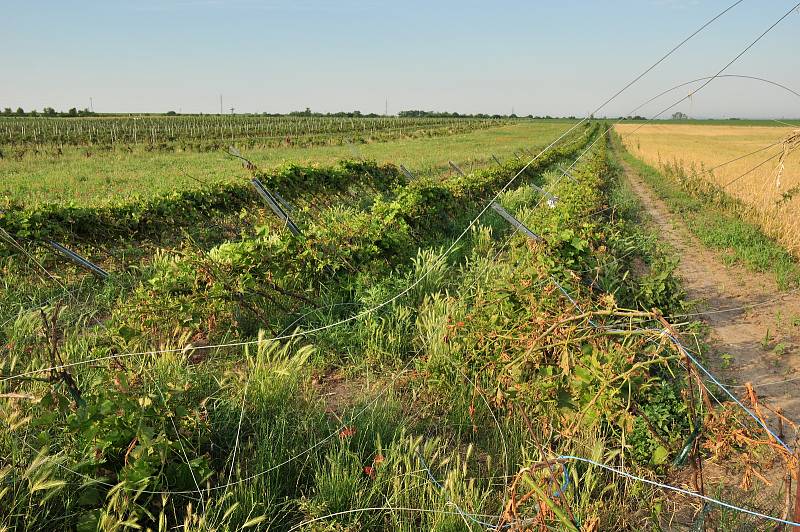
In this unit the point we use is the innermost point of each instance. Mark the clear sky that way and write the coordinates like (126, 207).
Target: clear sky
(540, 57)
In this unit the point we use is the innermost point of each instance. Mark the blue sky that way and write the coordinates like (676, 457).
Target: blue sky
(538, 57)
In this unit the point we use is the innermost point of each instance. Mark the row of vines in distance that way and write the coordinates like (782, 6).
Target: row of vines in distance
(21, 131)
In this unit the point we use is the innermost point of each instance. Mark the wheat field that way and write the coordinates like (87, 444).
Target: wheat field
(767, 182)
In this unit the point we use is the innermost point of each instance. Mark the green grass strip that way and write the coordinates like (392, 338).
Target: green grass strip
(720, 228)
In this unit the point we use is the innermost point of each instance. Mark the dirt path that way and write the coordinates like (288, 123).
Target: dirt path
(759, 344)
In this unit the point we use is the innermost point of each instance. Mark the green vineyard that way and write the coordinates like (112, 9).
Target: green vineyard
(210, 132)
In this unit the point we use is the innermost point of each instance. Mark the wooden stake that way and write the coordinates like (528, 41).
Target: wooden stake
(797, 501)
(455, 167)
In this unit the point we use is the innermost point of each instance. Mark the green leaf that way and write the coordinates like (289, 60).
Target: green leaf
(660, 455)
(583, 374)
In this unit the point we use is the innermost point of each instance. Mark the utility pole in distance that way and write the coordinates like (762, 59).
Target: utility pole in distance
(220, 104)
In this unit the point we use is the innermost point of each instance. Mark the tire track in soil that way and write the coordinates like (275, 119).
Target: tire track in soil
(758, 345)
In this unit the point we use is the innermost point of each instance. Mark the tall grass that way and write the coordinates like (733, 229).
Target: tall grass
(720, 221)
(449, 394)
(766, 185)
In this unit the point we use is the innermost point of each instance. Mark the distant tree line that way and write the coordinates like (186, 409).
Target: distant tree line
(74, 112)
(48, 111)
(548, 117)
(340, 114)
(445, 114)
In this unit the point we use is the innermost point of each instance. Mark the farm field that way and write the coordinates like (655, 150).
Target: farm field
(210, 132)
(353, 267)
(110, 176)
(765, 180)
(407, 348)
(722, 122)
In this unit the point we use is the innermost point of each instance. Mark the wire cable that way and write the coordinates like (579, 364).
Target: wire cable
(678, 490)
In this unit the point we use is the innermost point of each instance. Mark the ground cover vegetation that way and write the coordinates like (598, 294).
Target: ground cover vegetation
(84, 176)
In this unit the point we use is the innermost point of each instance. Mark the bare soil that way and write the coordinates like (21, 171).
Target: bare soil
(754, 334)
(337, 392)
(754, 327)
